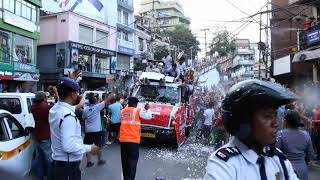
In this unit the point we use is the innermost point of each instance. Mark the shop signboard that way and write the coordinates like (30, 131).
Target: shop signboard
(92, 49)
(21, 76)
(24, 67)
(313, 37)
(6, 75)
(125, 50)
(94, 9)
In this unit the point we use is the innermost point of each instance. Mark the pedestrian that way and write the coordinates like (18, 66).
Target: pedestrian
(115, 109)
(42, 165)
(93, 128)
(249, 112)
(130, 134)
(209, 117)
(316, 133)
(296, 143)
(67, 144)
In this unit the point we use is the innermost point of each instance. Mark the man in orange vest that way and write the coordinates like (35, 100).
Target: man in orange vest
(130, 134)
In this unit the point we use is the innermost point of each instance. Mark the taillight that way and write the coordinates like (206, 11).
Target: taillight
(172, 122)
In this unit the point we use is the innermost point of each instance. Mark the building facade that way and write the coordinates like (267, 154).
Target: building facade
(167, 14)
(19, 36)
(288, 37)
(71, 41)
(243, 60)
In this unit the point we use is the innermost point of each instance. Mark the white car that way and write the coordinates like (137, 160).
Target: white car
(19, 104)
(16, 147)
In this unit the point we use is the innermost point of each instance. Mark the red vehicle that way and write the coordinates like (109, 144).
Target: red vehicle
(172, 114)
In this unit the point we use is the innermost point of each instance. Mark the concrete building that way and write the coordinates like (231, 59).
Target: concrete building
(71, 41)
(288, 37)
(167, 14)
(243, 60)
(125, 49)
(19, 36)
(145, 40)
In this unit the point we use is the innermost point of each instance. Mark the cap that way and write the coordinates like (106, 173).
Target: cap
(133, 100)
(69, 83)
(40, 96)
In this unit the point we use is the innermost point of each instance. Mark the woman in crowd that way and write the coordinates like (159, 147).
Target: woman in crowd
(296, 143)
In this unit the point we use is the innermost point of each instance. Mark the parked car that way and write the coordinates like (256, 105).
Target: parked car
(19, 104)
(16, 147)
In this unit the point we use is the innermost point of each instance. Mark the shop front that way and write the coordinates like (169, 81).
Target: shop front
(125, 65)
(94, 62)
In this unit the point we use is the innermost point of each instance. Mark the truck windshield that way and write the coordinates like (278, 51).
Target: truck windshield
(163, 94)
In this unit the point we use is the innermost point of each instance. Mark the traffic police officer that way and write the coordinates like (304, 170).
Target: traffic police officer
(130, 134)
(67, 147)
(249, 114)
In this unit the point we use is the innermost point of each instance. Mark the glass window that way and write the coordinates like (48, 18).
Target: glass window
(24, 9)
(103, 65)
(140, 44)
(28, 12)
(119, 15)
(160, 93)
(3, 131)
(119, 35)
(85, 63)
(34, 14)
(125, 36)
(12, 105)
(23, 49)
(11, 8)
(18, 8)
(5, 47)
(102, 39)
(29, 103)
(0, 4)
(85, 34)
(125, 18)
(15, 128)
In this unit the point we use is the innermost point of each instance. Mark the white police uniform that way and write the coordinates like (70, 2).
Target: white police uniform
(67, 143)
(235, 161)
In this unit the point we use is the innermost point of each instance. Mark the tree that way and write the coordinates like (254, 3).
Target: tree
(182, 37)
(222, 43)
(160, 52)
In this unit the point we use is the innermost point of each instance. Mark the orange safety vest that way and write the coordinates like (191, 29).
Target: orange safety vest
(130, 128)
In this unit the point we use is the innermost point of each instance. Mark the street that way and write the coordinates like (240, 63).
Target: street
(186, 163)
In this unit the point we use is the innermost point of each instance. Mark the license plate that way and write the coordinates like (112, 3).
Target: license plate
(148, 135)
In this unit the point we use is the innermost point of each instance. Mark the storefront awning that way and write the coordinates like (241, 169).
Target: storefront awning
(306, 55)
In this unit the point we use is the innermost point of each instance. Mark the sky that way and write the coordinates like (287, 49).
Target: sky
(205, 13)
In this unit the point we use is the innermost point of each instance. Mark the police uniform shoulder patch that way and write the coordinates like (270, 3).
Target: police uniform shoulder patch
(227, 152)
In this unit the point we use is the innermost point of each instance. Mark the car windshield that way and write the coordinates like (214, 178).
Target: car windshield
(163, 94)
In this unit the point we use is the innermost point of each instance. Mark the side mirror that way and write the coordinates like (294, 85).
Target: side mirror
(27, 131)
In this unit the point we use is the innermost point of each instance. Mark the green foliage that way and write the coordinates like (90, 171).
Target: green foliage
(182, 37)
(160, 52)
(222, 43)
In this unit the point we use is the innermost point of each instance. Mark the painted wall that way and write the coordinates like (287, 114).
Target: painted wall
(64, 27)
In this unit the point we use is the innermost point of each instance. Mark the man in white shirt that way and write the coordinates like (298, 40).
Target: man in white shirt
(67, 144)
(208, 121)
(182, 67)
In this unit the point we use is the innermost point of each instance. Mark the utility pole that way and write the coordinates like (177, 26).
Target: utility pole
(192, 62)
(205, 39)
(260, 28)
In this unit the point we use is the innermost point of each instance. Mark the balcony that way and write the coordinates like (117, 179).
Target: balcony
(127, 44)
(243, 62)
(126, 4)
(126, 27)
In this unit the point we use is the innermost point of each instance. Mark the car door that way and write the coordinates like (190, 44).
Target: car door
(16, 147)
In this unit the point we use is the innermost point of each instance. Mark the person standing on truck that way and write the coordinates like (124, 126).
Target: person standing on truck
(130, 135)
(67, 144)
(93, 129)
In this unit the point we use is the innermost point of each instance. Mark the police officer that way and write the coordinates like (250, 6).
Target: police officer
(249, 112)
(67, 147)
(130, 134)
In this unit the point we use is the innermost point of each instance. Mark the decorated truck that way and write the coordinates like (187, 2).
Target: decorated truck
(171, 106)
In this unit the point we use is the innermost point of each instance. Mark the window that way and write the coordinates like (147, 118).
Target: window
(9, 5)
(125, 36)
(85, 34)
(24, 9)
(29, 103)
(12, 105)
(3, 132)
(5, 46)
(140, 44)
(18, 8)
(125, 18)
(15, 128)
(34, 14)
(119, 16)
(102, 39)
(23, 49)
(119, 35)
